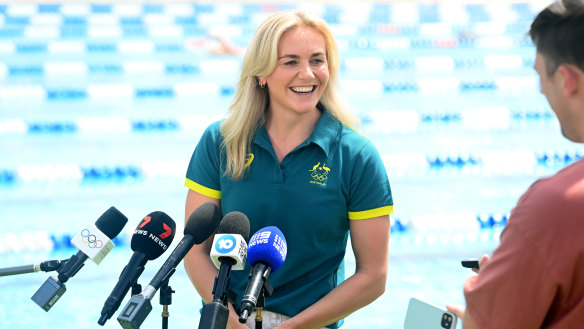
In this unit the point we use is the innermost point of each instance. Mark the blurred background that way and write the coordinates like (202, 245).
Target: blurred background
(102, 104)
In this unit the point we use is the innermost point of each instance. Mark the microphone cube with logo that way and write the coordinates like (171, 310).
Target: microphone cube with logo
(231, 246)
(92, 242)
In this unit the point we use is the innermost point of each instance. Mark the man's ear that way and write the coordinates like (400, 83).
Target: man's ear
(571, 79)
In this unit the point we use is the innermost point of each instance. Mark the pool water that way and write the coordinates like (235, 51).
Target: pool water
(102, 104)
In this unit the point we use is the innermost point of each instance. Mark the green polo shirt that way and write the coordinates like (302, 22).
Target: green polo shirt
(333, 177)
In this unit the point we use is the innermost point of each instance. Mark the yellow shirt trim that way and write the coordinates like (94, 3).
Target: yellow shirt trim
(356, 215)
(203, 190)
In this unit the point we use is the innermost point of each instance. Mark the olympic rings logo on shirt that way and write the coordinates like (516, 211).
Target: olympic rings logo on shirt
(90, 239)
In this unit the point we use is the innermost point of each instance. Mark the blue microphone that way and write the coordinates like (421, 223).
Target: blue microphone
(266, 253)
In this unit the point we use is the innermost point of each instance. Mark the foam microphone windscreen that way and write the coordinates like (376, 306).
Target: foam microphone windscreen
(268, 245)
(154, 234)
(111, 222)
(235, 222)
(203, 222)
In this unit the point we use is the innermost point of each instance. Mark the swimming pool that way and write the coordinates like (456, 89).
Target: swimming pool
(102, 104)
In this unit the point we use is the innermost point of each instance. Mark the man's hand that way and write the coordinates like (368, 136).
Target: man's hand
(482, 263)
(463, 315)
(457, 309)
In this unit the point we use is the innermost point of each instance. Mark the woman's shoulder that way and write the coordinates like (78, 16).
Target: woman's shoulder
(350, 137)
(213, 132)
(214, 128)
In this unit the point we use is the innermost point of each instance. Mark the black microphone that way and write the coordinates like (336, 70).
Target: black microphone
(229, 251)
(151, 238)
(94, 242)
(199, 227)
(266, 253)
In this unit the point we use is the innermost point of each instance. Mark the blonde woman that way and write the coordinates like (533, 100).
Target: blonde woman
(288, 156)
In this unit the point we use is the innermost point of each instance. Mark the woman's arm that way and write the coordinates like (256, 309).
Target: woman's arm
(197, 262)
(370, 242)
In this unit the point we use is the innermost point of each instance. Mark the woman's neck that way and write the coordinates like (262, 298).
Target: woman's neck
(287, 131)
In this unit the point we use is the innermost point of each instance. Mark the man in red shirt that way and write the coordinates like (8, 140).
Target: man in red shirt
(535, 278)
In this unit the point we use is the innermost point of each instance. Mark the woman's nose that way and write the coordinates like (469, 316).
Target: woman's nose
(305, 72)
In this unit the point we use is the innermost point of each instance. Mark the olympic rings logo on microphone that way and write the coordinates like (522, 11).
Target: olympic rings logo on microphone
(90, 239)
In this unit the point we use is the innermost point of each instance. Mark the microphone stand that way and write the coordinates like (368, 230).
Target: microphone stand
(267, 290)
(136, 289)
(165, 300)
(46, 266)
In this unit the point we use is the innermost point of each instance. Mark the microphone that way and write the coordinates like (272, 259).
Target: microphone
(46, 266)
(94, 242)
(230, 242)
(151, 238)
(229, 251)
(266, 253)
(199, 227)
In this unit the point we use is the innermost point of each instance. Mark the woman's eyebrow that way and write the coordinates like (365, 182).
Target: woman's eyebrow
(296, 56)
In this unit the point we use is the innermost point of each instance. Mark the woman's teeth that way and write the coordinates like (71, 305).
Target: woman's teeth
(302, 90)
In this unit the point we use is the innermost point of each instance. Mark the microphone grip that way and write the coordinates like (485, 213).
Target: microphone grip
(128, 278)
(258, 275)
(221, 286)
(173, 260)
(52, 265)
(72, 266)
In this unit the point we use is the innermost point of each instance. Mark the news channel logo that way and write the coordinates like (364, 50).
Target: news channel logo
(225, 244)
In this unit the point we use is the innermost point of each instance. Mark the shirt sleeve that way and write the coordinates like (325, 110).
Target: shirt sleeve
(515, 289)
(370, 193)
(204, 170)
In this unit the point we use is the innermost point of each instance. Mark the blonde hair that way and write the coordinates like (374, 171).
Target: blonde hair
(250, 104)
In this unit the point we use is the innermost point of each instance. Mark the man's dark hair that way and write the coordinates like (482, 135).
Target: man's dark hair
(558, 34)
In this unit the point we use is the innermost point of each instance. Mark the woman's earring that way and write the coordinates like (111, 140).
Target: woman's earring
(260, 84)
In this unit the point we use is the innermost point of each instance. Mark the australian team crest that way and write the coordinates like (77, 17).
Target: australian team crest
(319, 174)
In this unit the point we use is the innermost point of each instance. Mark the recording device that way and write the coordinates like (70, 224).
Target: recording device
(94, 242)
(199, 227)
(266, 253)
(229, 251)
(472, 262)
(46, 266)
(423, 315)
(151, 238)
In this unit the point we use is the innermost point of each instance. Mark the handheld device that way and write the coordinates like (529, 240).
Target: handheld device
(423, 315)
(472, 262)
